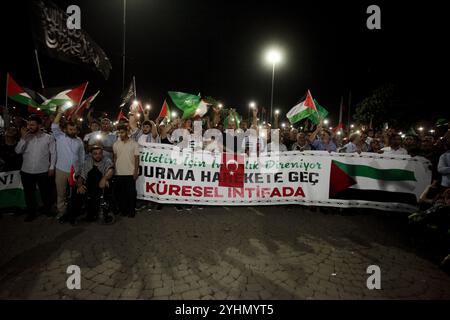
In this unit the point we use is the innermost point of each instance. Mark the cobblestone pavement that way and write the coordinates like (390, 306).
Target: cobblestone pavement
(216, 253)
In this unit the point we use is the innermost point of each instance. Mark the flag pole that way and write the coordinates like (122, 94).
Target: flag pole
(349, 104)
(5, 112)
(341, 107)
(123, 46)
(39, 68)
(134, 85)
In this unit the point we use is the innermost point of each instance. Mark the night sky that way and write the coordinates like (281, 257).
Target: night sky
(217, 47)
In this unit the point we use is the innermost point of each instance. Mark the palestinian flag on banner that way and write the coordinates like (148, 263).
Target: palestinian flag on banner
(67, 98)
(302, 110)
(191, 105)
(165, 111)
(320, 114)
(11, 190)
(363, 182)
(18, 94)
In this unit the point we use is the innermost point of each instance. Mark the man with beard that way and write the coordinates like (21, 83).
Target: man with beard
(395, 145)
(149, 131)
(95, 173)
(70, 151)
(39, 157)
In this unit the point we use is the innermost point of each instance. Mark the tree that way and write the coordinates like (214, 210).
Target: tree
(377, 106)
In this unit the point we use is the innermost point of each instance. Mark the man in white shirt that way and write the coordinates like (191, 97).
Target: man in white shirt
(39, 157)
(395, 142)
(126, 161)
(353, 145)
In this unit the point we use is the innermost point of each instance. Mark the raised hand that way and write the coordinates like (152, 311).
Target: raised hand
(24, 132)
(146, 113)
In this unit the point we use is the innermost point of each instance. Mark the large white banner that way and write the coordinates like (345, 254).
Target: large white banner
(318, 178)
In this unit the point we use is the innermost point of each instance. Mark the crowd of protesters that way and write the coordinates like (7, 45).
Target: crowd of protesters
(101, 157)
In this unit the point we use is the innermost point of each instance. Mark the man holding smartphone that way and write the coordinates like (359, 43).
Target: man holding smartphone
(39, 157)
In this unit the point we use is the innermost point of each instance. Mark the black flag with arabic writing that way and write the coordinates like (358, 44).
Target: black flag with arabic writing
(52, 37)
(128, 94)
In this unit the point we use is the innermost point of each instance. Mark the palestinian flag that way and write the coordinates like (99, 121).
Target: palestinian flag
(165, 111)
(139, 107)
(121, 116)
(38, 111)
(11, 190)
(78, 112)
(17, 93)
(320, 114)
(339, 127)
(302, 110)
(191, 105)
(36, 96)
(67, 98)
(363, 182)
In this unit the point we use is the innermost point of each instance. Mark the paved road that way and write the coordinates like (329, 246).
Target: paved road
(216, 253)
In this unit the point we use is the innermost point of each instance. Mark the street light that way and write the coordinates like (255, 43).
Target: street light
(273, 56)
